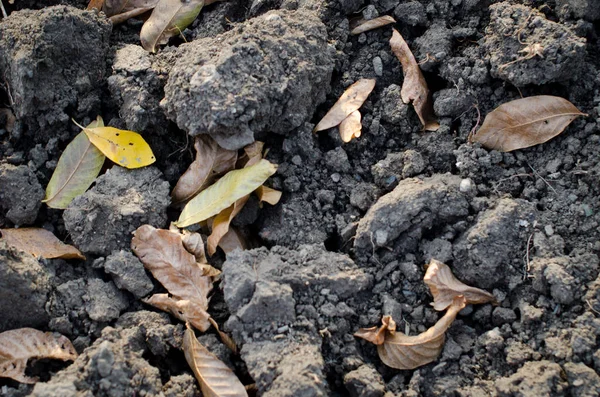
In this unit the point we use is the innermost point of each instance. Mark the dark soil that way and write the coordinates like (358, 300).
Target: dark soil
(357, 221)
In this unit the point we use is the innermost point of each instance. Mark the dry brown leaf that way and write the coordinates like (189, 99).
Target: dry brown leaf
(351, 100)
(220, 224)
(525, 122)
(370, 24)
(209, 271)
(351, 126)
(194, 244)
(445, 287)
(97, 4)
(182, 309)
(414, 87)
(40, 242)
(226, 339)
(211, 162)
(233, 240)
(163, 254)
(268, 195)
(19, 345)
(215, 378)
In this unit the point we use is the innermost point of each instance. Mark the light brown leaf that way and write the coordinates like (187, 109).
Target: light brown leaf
(233, 240)
(116, 7)
(40, 242)
(226, 339)
(215, 378)
(414, 87)
(162, 253)
(445, 287)
(97, 4)
(268, 195)
(194, 244)
(182, 309)
(253, 153)
(376, 335)
(220, 224)
(210, 271)
(211, 162)
(19, 345)
(124, 16)
(525, 122)
(351, 100)
(370, 24)
(351, 127)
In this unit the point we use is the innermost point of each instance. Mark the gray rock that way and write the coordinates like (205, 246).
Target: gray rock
(184, 385)
(411, 13)
(364, 382)
(363, 195)
(452, 102)
(583, 381)
(534, 379)
(576, 9)
(20, 194)
(397, 166)
(435, 45)
(128, 273)
(103, 301)
(102, 219)
(24, 289)
(337, 160)
(503, 315)
(393, 110)
(266, 75)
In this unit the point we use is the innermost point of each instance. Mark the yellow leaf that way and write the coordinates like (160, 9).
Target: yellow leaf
(126, 148)
(268, 195)
(40, 242)
(351, 127)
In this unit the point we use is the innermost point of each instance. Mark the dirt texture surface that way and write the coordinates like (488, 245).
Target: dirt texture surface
(357, 221)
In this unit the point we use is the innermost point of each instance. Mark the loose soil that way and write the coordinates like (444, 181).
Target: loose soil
(357, 222)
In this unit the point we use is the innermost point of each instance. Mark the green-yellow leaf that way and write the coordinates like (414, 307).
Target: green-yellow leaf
(226, 191)
(78, 166)
(126, 148)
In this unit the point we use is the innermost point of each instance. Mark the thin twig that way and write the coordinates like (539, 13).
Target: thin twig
(528, 244)
(542, 178)
(591, 307)
(4, 14)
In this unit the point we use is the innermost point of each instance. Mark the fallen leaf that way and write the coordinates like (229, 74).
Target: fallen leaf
(226, 191)
(233, 240)
(445, 287)
(211, 162)
(40, 242)
(163, 254)
(409, 352)
(183, 309)
(226, 339)
(124, 16)
(116, 7)
(253, 153)
(220, 224)
(19, 345)
(370, 24)
(95, 4)
(77, 168)
(268, 195)
(169, 18)
(194, 244)
(215, 378)
(414, 87)
(351, 127)
(208, 270)
(126, 148)
(351, 100)
(525, 122)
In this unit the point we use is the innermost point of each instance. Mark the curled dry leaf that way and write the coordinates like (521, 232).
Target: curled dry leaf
(525, 122)
(226, 339)
(169, 18)
(162, 253)
(40, 242)
(19, 345)
(215, 378)
(414, 87)
(183, 309)
(351, 100)
(268, 195)
(233, 240)
(211, 162)
(408, 352)
(445, 287)
(351, 127)
(121, 10)
(95, 4)
(194, 244)
(220, 224)
(370, 24)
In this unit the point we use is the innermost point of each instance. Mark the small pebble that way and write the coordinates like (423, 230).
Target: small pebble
(549, 230)
(283, 329)
(378, 66)
(465, 185)
(336, 177)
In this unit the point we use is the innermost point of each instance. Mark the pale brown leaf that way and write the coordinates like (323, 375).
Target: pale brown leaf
(194, 244)
(268, 195)
(351, 127)
(124, 16)
(215, 378)
(182, 309)
(226, 339)
(370, 24)
(115, 7)
(445, 287)
(233, 240)
(414, 87)
(220, 224)
(40, 242)
(162, 253)
(209, 271)
(525, 122)
(95, 4)
(19, 345)
(211, 162)
(351, 100)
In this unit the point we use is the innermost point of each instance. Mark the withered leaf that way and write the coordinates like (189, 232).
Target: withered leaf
(525, 122)
(220, 224)
(445, 287)
(351, 127)
(183, 309)
(414, 87)
(162, 253)
(95, 4)
(19, 345)
(268, 195)
(116, 7)
(226, 339)
(351, 100)
(233, 240)
(215, 378)
(40, 242)
(370, 24)
(211, 162)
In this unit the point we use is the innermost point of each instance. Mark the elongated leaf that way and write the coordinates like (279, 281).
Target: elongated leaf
(226, 339)
(124, 16)
(19, 345)
(77, 168)
(351, 126)
(220, 225)
(445, 287)
(370, 24)
(232, 241)
(351, 100)
(194, 244)
(525, 122)
(95, 4)
(169, 18)
(226, 191)
(126, 148)
(268, 195)
(211, 162)
(40, 242)
(184, 310)
(414, 87)
(214, 377)
(116, 7)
